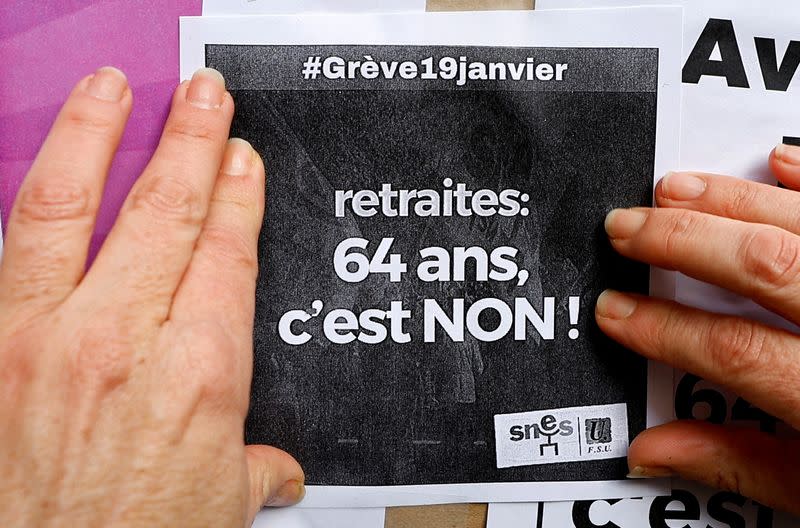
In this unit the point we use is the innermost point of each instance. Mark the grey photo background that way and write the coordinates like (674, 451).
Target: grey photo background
(423, 413)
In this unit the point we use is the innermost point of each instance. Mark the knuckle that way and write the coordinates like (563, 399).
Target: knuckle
(42, 283)
(171, 198)
(661, 334)
(101, 357)
(193, 129)
(55, 199)
(770, 257)
(677, 229)
(658, 334)
(729, 480)
(17, 368)
(213, 364)
(740, 199)
(735, 346)
(228, 247)
(88, 119)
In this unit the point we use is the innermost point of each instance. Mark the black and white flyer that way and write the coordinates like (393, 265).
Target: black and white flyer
(433, 245)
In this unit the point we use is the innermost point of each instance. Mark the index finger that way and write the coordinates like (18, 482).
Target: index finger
(220, 283)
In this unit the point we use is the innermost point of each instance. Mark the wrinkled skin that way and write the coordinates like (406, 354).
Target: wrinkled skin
(745, 237)
(124, 388)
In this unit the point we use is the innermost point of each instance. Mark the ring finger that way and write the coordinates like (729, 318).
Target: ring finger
(54, 215)
(756, 361)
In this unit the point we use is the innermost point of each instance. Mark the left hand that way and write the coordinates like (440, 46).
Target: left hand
(745, 237)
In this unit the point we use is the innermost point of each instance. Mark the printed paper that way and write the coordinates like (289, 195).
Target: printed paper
(433, 244)
(598, 432)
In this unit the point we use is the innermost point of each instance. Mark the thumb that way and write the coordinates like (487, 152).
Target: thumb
(276, 478)
(757, 465)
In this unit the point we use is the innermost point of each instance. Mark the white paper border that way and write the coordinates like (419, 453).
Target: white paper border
(274, 7)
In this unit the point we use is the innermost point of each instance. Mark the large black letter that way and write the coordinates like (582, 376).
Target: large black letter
(717, 32)
(777, 78)
(659, 515)
(580, 514)
(718, 511)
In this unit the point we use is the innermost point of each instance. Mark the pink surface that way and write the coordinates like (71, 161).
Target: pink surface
(47, 46)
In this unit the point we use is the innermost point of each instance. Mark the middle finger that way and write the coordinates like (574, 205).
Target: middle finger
(752, 359)
(151, 245)
(758, 261)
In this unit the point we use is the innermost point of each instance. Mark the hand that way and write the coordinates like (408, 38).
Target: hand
(745, 237)
(124, 389)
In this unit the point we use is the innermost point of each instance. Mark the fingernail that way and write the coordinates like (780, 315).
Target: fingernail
(640, 472)
(624, 223)
(107, 84)
(238, 158)
(615, 305)
(288, 495)
(788, 154)
(207, 89)
(682, 186)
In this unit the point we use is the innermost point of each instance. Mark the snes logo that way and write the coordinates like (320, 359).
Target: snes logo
(561, 435)
(548, 427)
